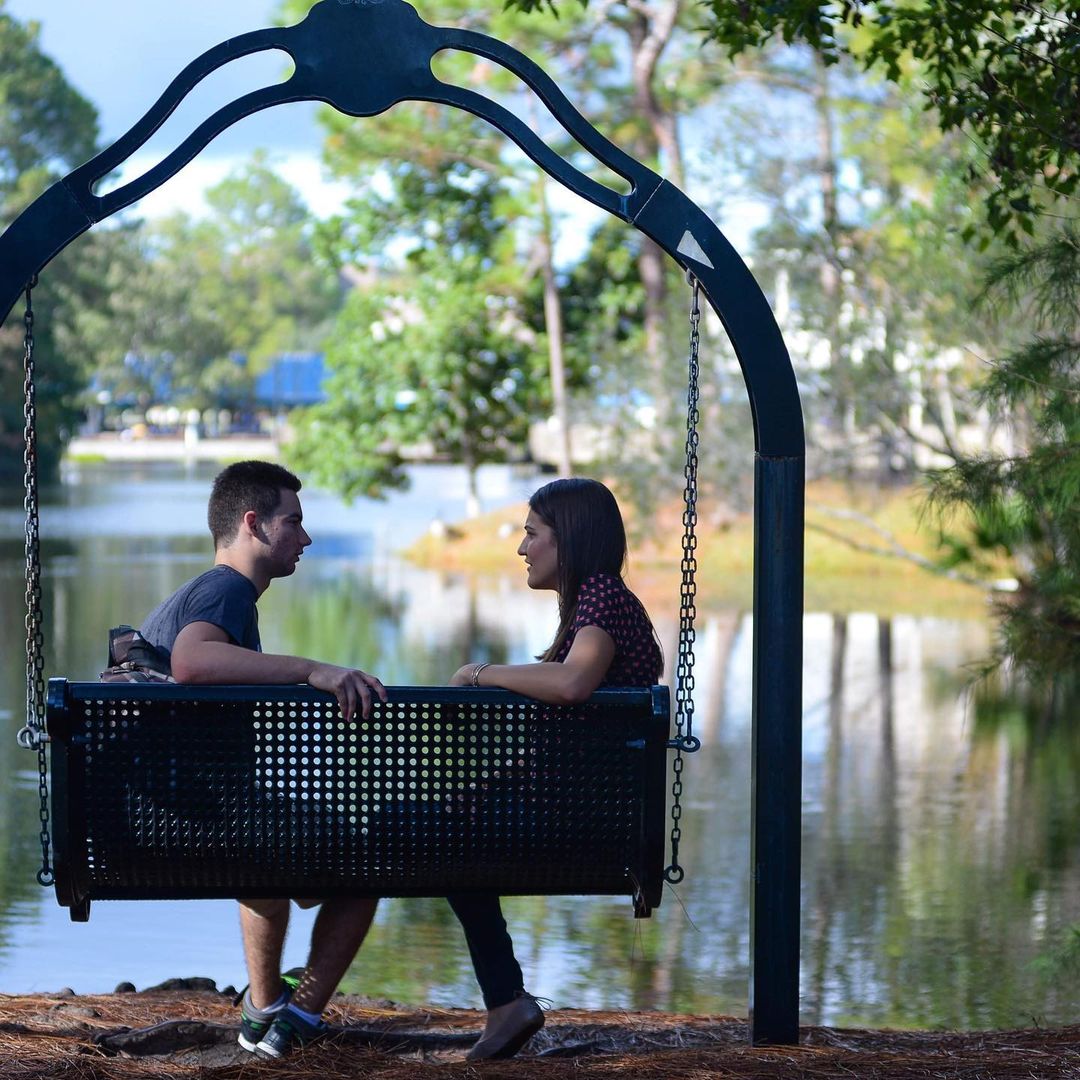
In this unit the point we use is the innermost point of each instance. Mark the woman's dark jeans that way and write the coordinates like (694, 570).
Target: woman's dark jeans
(492, 951)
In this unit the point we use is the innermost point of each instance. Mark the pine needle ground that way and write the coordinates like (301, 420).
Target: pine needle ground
(189, 1034)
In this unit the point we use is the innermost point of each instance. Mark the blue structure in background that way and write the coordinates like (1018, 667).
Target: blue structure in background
(293, 379)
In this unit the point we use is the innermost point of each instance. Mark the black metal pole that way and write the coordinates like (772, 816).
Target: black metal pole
(776, 752)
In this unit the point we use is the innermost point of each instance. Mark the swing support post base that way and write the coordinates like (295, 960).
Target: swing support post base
(776, 751)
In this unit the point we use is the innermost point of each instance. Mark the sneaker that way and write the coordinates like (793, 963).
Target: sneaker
(290, 1032)
(254, 1028)
(509, 1027)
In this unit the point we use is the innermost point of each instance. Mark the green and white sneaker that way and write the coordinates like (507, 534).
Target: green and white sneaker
(289, 1032)
(255, 1023)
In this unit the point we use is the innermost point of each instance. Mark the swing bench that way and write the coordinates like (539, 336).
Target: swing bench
(194, 791)
(175, 792)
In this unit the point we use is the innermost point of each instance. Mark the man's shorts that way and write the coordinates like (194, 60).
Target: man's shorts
(267, 908)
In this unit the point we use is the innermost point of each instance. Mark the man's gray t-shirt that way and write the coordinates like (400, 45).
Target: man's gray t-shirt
(222, 596)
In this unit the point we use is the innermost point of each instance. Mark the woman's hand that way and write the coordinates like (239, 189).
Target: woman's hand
(463, 675)
(568, 682)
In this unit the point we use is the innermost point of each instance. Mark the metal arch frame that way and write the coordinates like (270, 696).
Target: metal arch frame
(364, 56)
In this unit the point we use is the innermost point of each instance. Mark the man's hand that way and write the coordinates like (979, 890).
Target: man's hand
(350, 686)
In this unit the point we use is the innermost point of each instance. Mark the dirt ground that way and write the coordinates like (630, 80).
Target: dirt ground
(186, 1030)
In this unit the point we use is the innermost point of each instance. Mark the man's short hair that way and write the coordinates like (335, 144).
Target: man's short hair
(244, 486)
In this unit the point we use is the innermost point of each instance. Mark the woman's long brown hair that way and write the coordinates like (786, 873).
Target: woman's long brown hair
(590, 538)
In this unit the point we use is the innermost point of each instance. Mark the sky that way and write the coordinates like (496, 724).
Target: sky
(121, 55)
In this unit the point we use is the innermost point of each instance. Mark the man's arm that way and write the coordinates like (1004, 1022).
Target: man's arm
(203, 653)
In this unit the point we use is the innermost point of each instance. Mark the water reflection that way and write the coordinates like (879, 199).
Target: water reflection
(940, 882)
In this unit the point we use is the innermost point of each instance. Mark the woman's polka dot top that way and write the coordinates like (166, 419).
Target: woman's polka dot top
(605, 601)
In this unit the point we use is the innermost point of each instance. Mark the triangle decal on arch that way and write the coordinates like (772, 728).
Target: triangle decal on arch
(689, 247)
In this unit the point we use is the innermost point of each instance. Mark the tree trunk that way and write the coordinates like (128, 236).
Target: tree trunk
(472, 498)
(649, 34)
(831, 264)
(553, 322)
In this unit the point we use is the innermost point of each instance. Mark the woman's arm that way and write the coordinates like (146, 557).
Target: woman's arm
(566, 683)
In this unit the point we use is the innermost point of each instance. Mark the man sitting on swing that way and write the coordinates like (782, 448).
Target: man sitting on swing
(208, 632)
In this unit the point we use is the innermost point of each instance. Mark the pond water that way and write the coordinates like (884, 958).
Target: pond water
(941, 876)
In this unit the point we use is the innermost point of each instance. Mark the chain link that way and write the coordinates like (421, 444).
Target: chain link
(33, 736)
(685, 741)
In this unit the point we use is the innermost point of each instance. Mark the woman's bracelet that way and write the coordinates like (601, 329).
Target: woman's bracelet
(476, 673)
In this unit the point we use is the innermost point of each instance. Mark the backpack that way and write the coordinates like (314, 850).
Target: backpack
(133, 659)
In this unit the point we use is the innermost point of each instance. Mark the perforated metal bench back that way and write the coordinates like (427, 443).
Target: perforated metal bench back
(176, 792)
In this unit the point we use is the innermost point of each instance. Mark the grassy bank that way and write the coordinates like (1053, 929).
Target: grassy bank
(839, 576)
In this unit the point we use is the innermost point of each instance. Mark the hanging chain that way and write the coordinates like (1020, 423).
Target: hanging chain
(33, 736)
(684, 740)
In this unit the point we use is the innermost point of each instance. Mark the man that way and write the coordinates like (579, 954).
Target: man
(209, 629)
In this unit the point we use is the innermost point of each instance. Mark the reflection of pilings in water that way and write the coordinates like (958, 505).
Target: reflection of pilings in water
(830, 861)
(836, 691)
(885, 670)
(436, 603)
(662, 983)
(713, 648)
(891, 835)
(60, 616)
(667, 632)
(717, 641)
(468, 650)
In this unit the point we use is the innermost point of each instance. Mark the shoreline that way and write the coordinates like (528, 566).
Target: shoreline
(84, 449)
(848, 566)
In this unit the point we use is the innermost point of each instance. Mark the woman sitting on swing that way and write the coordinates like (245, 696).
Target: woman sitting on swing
(575, 544)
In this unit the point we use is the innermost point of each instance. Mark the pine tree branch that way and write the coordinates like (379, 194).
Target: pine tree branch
(895, 426)
(893, 549)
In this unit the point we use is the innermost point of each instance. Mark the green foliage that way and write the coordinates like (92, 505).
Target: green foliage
(604, 312)
(459, 202)
(1007, 74)
(632, 71)
(441, 354)
(1025, 504)
(189, 294)
(44, 121)
(59, 374)
(861, 249)
(46, 128)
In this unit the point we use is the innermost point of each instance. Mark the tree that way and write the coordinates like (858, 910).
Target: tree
(1025, 503)
(633, 67)
(861, 251)
(438, 354)
(45, 123)
(189, 296)
(46, 128)
(1005, 73)
(429, 136)
(644, 67)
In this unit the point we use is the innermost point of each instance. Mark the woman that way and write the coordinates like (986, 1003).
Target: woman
(575, 544)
